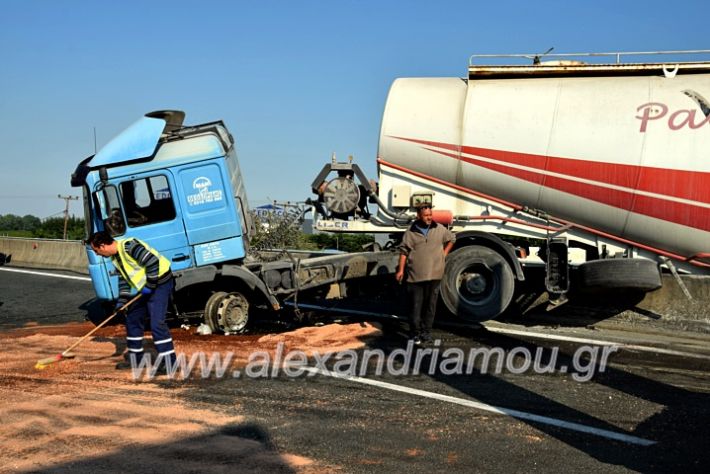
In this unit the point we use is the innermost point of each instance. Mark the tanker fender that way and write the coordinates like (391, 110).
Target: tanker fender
(506, 250)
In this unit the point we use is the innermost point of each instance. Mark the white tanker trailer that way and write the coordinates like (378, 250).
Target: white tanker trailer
(607, 164)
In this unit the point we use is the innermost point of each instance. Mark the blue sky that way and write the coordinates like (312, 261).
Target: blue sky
(293, 80)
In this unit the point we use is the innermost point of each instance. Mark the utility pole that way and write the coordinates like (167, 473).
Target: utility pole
(66, 210)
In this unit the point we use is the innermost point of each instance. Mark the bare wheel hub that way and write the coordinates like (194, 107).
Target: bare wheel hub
(233, 313)
(475, 283)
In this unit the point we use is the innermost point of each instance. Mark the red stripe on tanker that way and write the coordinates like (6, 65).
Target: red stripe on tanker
(682, 184)
(658, 207)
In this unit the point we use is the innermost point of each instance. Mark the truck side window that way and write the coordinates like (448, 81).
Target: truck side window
(109, 204)
(147, 201)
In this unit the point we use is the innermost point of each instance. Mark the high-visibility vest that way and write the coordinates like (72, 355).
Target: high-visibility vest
(131, 270)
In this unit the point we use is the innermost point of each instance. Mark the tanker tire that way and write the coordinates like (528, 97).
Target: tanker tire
(478, 283)
(211, 316)
(623, 273)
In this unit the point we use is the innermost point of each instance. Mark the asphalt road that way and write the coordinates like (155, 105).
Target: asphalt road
(649, 410)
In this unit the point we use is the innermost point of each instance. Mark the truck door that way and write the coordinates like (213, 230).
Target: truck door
(210, 212)
(142, 206)
(153, 215)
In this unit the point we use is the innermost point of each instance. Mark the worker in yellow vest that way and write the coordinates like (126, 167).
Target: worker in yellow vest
(141, 269)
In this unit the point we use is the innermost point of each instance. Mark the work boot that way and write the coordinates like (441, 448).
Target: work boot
(163, 364)
(130, 360)
(123, 365)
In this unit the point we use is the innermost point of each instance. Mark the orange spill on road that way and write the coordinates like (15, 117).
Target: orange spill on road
(81, 413)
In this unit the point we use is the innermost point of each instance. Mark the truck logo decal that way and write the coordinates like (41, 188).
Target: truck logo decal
(203, 194)
(678, 118)
(678, 196)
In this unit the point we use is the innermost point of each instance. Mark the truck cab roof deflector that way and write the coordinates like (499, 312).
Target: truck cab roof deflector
(139, 141)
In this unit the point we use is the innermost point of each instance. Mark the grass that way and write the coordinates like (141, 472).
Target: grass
(15, 233)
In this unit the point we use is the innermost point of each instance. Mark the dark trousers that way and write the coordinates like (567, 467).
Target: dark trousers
(423, 296)
(154, 305)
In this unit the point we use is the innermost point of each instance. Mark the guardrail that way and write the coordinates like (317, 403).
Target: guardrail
(46, 253)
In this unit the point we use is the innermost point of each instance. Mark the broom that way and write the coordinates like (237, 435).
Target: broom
(42, 363)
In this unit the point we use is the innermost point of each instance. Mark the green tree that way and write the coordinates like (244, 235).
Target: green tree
(10, 222)
(53, 228)
(30, 222)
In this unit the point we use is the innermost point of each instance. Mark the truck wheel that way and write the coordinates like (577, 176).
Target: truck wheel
(622, 273)
(233, 313)
(478, 283)
(211, 317)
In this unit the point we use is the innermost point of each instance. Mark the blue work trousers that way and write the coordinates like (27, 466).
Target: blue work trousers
(154, 305)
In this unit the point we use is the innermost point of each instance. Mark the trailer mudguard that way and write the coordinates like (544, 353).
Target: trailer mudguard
(494, 242)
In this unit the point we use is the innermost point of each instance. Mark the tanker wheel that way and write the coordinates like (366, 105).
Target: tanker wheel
(478, 283)
(233, 313)
(211, 317)
(620, 273)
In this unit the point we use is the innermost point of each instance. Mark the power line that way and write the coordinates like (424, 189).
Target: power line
(20, 196)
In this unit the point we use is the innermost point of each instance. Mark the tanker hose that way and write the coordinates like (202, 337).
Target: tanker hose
(389, 213)
(396, 222)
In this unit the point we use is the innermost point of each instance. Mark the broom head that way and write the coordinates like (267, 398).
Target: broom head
(42, 363)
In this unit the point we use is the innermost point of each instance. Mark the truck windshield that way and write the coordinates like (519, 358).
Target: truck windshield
(86, 198)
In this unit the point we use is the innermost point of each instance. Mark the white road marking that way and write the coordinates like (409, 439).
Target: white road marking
(45, 274)
(598, 342)
(489, 408)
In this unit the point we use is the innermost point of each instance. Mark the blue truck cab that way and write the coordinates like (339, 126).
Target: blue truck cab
(178, 188)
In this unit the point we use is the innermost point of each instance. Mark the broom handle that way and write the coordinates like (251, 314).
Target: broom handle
(101, 325)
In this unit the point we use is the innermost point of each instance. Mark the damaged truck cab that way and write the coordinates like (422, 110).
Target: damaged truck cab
(170, 186)
(180, 189)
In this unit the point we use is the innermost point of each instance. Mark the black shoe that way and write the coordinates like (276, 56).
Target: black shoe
(163, 366)
(160, 370)
(124, 365)
(416, 340)
(129, 361)
(426, 337)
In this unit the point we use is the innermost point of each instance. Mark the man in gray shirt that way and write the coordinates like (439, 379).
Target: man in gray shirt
(423, 250)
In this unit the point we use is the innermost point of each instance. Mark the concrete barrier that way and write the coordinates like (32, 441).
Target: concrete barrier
(46, 253)
(672, 306)
(667, 306)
